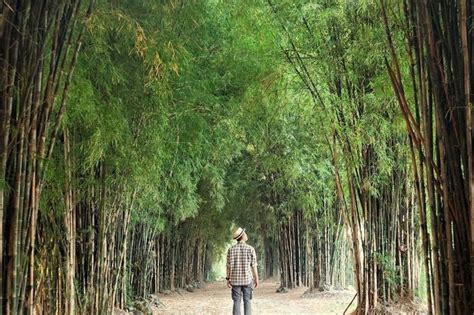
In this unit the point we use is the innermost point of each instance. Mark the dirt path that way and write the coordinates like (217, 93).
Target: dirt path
(214, 298)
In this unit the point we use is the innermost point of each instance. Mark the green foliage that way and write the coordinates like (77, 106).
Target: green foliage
(387, 266)
(166, 110)
(191, 109)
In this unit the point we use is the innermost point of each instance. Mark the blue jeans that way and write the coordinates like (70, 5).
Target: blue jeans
(237, 292)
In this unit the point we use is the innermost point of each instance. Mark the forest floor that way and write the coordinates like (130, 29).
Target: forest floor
(214, 298)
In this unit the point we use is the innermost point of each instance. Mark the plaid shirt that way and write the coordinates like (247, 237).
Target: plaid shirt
(240, 258)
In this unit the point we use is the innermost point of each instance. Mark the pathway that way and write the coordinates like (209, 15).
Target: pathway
(214, 298)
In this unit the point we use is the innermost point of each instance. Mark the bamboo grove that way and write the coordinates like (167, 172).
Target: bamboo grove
(135, 135)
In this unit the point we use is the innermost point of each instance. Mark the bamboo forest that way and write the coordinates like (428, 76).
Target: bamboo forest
(137, 135)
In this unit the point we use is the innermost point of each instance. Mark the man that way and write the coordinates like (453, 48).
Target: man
(241, 271)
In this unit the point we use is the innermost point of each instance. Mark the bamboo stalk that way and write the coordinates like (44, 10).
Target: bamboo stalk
(464, 6)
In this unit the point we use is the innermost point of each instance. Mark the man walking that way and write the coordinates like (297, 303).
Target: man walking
(241, 271)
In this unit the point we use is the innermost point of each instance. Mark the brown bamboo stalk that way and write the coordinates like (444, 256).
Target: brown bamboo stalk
(463, 26)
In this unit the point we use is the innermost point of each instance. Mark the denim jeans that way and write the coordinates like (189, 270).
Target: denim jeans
(237, 292)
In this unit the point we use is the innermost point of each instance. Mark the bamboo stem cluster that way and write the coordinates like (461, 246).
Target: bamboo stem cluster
(439, 121)
(39, 45)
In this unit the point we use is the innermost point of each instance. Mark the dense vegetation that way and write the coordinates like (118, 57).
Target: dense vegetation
(135, 135)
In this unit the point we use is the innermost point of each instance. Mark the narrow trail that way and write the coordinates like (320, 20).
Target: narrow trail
(214, 298)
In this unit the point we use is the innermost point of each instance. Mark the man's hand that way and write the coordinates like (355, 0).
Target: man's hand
(228, 284)
(255, 282)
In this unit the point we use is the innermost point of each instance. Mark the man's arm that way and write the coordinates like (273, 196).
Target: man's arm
(255, 275)
(228, 270)
(253, 264)
(228, 277)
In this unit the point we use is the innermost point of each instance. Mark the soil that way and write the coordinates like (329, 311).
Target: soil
(214, 298)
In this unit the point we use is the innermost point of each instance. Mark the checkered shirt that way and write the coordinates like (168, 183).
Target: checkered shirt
(240, 258)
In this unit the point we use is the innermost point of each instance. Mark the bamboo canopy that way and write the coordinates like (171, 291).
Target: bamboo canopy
(135, 135)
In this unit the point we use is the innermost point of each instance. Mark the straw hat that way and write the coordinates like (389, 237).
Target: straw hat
(238, 233)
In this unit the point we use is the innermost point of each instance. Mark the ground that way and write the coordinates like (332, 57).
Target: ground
(214, 298)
